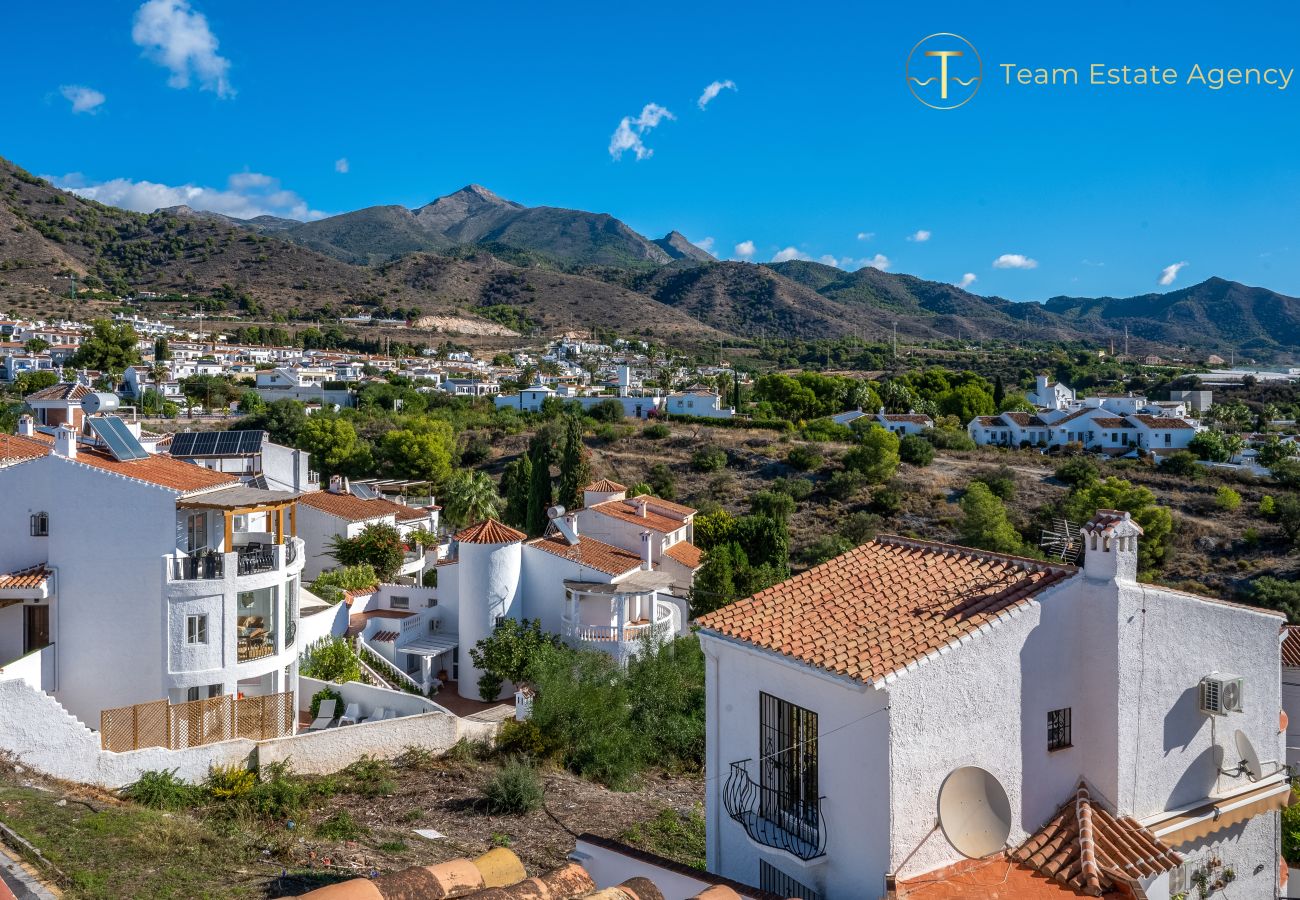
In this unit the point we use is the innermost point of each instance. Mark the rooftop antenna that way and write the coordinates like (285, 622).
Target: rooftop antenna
(1061, 541)
(1248, 764)
(974, 812)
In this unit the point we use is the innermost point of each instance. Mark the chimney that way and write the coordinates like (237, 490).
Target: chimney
(65, 441)
(26, 426)
(647, 551)
(336, 484)
(571, 527)
(1110, 546)
(641, 503)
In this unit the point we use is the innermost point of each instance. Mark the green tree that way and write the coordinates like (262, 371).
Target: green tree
(1287, 511)
(508, 652)
(661, 481)
(161, 351)
(331, 442)
(915, 450)
(377, 545)
(31, 382)
(984, 522)
(422, 452)
(515, 482)
(281, 419)
(110, 348)
(966, 402)
(331, 659)
(1275, 593)
(469, 497)
(36, 345)
(1227, 499)
(575, 465)
(1116, 493)
(876, 455)
(715, 585)
(774, 504)
(540, 491)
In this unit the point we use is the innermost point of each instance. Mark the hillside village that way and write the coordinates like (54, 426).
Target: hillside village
(592, 564)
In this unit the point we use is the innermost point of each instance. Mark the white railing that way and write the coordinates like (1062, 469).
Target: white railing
(388, 670)
(630, 633)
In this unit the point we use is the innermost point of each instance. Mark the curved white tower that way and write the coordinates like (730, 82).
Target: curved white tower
(491, 555)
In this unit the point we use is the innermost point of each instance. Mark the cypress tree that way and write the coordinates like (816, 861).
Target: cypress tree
(575, 470)
(516, 482)
(539, 482)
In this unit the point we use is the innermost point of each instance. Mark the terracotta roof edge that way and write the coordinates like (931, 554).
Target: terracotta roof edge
(1024, 561)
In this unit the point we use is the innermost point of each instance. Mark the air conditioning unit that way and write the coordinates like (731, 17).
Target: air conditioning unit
(1222, 694)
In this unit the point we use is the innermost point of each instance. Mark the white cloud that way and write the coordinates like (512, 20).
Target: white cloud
(630, 131)
(715, 88)
(879, 261)
(967, 280)
(82, 98)
(866, 235)
(246, 195)
(178, 38)
(1169, 273)
(919, 236)
(705, 244)
(1014, 261)
(745, 249)
(788, 254)
(341, 165)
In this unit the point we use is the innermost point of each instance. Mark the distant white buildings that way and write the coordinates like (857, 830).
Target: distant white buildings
(915, 720)
(699, 402)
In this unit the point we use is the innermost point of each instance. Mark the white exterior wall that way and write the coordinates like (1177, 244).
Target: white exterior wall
(856, 792)
(489, 587)
(543, 580)
(316, 528)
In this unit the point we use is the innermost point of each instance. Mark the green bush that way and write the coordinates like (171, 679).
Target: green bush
(709, 459)
(229, 782)
(803, 458)
(845, 485)
(1000, 481)
(369, 777)
(330, 659)
(1182, 463)
(280, 794)
(656, 432)
(915, 450)
(340, 827)
(949, 439)
(514, 790)
(1078, 471)
(1291, 830)
(886, 502)
(1225, 498)
(523, 739)
(797, 488)
(876, 456)
(161, 789)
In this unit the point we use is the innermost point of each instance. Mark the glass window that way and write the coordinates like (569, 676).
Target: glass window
(399, 602)
(1058, 729)
(40, 524)
(196, 629)
(788, 774)
(196, 530)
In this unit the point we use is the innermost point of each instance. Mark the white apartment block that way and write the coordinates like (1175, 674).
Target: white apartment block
(1115, 424)
(919, 720)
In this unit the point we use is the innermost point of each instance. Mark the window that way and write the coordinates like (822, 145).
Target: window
(40, 524)
(399, 602)
(196, 629)
(433, 601)
(770, 878)
(1168, 438)
(196, 530)
(788, 770)
(1058, 729)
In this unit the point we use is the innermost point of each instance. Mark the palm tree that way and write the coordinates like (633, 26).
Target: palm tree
(159, 372)
(470, 497)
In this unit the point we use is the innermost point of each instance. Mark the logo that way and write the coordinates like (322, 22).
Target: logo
(944, 71)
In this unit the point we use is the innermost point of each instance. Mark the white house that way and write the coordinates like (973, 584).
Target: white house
(697, 401)
(251, 456)
(1050, 394)
(903, 423)
(345, 510)
(136, 578)
(920, 720)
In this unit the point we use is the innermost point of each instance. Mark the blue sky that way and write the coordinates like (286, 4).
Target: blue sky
(1102, 188)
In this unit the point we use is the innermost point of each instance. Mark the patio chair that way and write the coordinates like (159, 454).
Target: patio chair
(351, 714)
(377, 715)
(324, 715)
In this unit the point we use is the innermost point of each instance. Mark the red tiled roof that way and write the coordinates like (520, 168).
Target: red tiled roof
(1086, 849)
(25, 579)
(1111, 422)
(914, 418)
(1076, 414)
(1024, 419)
(164, 471)
(992, 878)
(63, 391)
(1160, 421)
(591, 553)
(686, 553)
(629, 512)
(489, 531)
(14, 448)
(348, 506)
(605, 486)
(886, 604)
(1291, 647)
(670, 507)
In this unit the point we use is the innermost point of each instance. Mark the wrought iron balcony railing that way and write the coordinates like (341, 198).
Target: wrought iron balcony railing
(775, 818)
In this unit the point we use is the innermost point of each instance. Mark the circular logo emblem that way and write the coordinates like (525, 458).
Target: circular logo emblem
(944, 71)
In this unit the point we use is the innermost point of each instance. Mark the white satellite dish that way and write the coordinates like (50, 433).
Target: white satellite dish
(974, 812)
(1249, 758)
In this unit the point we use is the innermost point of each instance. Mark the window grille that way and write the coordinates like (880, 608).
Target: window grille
(1058, 729)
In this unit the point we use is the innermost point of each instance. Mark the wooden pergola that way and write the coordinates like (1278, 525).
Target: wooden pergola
(239, 501)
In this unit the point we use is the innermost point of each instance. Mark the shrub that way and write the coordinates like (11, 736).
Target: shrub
(1001, 481)
(984, 521)
(844, 485)
(803, 458)
(886, 502)
(828, 546)
(229, 782)
(796, 488)
(326, 694)
(1078, 471)
(1183, 463)
(826, 430)
(331, 659)
(657, 431)
(773, 504)
(876, 456)
(280, 794)
(513, 790)
(915, 450)
(523, 739)
(329, 586)
(369, 777)
(949, 439)
(340, 827)
(660, 479)
(859, 527)
(1287, 510)
(1291, 830)
(161, 789)
(1227, 499)
(709, 459)
(1267, 505)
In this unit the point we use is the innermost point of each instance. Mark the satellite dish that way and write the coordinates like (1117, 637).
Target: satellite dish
(1249, 758)
(974, 812)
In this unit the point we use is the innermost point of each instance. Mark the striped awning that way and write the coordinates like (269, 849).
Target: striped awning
(433, 645)
(1217, 815)
(386, 637)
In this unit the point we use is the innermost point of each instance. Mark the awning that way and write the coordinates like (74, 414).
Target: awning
(433, 645)
(238, 497)
(1216, 815)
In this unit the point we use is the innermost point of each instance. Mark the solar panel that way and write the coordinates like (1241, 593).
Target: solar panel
(364, 492)
(217, 443)
(227, 443)
(118, 438)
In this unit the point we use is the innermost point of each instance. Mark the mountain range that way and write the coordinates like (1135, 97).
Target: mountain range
(473, 255)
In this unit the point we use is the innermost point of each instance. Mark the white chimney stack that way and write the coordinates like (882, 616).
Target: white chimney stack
(65, 441)
(1110, 546)
(647, 551)
(26, 426)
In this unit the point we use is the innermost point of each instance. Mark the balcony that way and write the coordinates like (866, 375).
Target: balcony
(247, 559)
(199, 566)
(253, 558)
(619, 639)
(775, 818)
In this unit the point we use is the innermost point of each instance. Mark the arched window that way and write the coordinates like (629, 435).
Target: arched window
(40, 524)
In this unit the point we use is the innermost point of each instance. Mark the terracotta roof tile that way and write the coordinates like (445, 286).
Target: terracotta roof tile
(25, 579)
(686, 553)
(668, 506)
(605, 486)
(914, 418)
(1160, 421)
(589, 552)
(489, 531)
(1087, 849)
(348, 506)
(992, 878)
(886, 604)
(1024, 419)
(1112, 422)
(15, 448)
(386, 637)
(63, 391)
(173, 474)
(628, 511)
